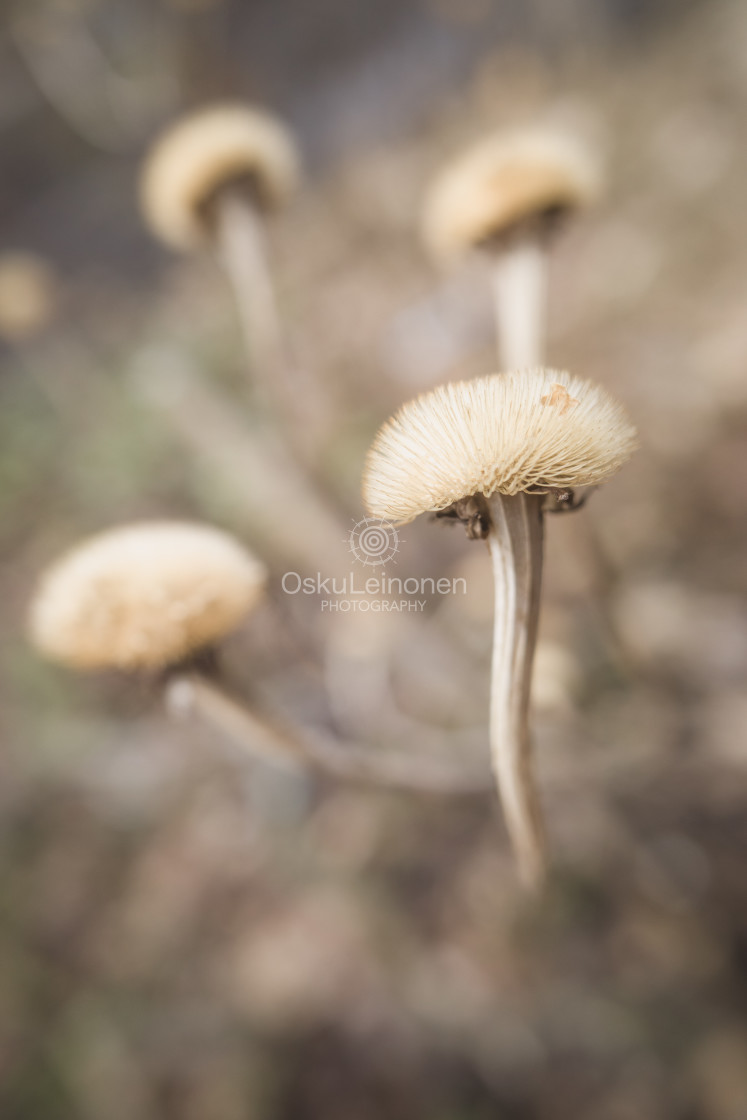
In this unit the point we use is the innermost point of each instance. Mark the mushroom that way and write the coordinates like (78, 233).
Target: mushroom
(211, 179)
(487, 453)
(144, 597)
(504, 196)
(158, 597)
(28, 293)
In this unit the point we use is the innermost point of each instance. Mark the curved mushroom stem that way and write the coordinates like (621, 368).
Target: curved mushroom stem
(241, 243)
(515, 542)
(520, 298)
(192, 693)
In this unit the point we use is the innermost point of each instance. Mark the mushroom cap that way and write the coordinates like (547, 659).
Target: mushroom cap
(504, 433)
(144, 596)
(503, 181)
(27, 295)
(209, 150)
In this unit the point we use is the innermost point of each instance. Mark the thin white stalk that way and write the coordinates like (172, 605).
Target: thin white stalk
(515, 543)
(520, 301)
(241, 243)
(193, 694)
(285, 388)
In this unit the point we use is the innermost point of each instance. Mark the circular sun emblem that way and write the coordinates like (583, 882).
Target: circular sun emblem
(372, 541)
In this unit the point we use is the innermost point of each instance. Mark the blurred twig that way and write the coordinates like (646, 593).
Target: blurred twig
(280, 504)
(72, 72)
(191, 693)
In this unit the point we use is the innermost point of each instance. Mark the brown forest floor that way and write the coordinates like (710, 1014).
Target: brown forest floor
(186, 935)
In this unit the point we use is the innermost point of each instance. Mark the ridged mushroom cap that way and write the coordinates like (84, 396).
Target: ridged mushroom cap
(209, 150)
(144, 596)
(501, 182)
(504, 433)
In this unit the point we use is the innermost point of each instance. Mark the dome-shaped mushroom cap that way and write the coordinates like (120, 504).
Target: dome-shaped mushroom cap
(504, 433)
(144, 596)
(205, 152)
(502, 181)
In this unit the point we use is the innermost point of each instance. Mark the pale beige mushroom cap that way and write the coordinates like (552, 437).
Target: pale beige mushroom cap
(144, 596)
(205, 152)
(502, 181)
(504, 433)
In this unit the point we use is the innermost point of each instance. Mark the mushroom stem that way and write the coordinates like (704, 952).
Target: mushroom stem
(192, 693)
(241, 245)
(285, 388)
(520, 297)
(515, 543)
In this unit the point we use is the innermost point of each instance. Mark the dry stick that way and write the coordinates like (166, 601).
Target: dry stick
(520, 299)
(192, 693)
(74, 75)
(515, 544)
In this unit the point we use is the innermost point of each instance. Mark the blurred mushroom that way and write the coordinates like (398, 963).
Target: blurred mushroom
(27, 295)
(210, 180)
(158, 597)
(146, 596)
(487, 453)
(155, 597)
(504, 196)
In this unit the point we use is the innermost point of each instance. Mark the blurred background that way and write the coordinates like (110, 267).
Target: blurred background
(185, 934)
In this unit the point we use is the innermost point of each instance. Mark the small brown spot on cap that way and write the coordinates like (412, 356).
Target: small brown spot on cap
(559, 398)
